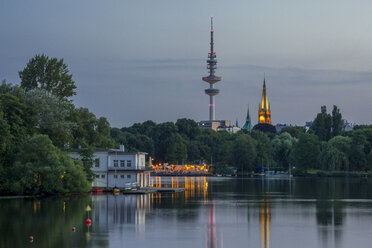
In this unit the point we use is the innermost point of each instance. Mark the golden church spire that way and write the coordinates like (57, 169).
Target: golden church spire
(264, 112)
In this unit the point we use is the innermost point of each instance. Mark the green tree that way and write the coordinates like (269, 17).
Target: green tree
(188, 128)
(321, 126)
(163, 137)
(332, 159)
(50, 74)
(19, 116)
(86, 153)
(40, 167)
(357, 152)
(282, 146)
(263, 148)
(293, 131)
(90, 131)
(176, 151)
(306, 152)
(369, 160)
(52, 116)
(343, 144)
(243, 153)
(337, 123)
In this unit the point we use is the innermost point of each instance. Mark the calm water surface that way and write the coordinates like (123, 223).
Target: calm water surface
(212, 213)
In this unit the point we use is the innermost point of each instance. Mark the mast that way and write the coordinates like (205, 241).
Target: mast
(211, 78)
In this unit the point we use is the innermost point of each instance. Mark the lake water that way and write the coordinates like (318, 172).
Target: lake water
(212, 213)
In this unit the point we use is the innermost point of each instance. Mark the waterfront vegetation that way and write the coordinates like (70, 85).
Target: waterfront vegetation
(39, 125)
(322, 151)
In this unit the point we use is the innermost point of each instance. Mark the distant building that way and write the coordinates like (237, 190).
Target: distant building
(115, 167)
(231, 129)
(307, 126)
(264, 113)
(279, 127)
(216, 125)
(248, 124)
(348, 126)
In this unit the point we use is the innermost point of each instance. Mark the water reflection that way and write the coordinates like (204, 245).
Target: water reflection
(265, 218)
(212, 213)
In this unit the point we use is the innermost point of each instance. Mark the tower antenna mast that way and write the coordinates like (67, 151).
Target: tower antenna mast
(211, 78)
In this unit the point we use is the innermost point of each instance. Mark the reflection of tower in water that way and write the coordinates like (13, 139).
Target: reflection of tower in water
(211, 237)
(265, 219)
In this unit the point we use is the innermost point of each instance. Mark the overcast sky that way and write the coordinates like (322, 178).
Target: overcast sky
(141, 60)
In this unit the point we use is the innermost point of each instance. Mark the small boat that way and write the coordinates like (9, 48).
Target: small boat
(116, 190)
(96, 191)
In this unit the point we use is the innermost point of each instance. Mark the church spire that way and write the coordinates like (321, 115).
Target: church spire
(264, 102)
(248, 124)
(264, 112)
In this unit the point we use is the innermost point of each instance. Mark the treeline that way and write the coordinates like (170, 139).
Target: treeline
(39, 125)
(326, 146)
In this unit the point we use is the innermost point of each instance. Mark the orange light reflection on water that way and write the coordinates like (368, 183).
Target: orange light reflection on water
(196, 187)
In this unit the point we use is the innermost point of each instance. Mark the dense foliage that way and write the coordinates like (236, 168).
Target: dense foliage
(39, 125)
(325, 147)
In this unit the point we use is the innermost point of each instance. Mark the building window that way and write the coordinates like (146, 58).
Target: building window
(96, 162)
(128, 176)
(129, 163)
(115, 176)
(116, 163)
(122, 163)
(97, 176)
(102, 176)
(122, 176)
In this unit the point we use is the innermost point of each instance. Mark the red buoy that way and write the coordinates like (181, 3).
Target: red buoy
(31, 239)
(88, 222)
(73, 229)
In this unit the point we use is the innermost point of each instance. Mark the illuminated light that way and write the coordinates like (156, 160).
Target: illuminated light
(210, 105)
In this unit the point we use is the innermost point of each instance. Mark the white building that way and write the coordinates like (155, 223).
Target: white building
(114, 167)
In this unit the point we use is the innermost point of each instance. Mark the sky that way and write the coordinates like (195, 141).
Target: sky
(134, 61)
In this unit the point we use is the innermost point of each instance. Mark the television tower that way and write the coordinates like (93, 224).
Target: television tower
(211, 79)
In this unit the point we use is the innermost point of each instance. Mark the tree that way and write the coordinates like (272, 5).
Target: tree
(52, 116)
(357, 151)
(306, 152)
(337, 123)
(40, 167)
(263, 147)
(332, 159)
(86, 153)
(282, 146)
(243, 153)
(293, 131)
(50, 74)
(343, 144)
(90, 131)
(369, 160)
(321, 126)
(187, 127)
(19, 116)
(176, 151)
(163, 137)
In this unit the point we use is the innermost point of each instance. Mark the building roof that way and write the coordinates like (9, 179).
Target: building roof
(111, 151)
